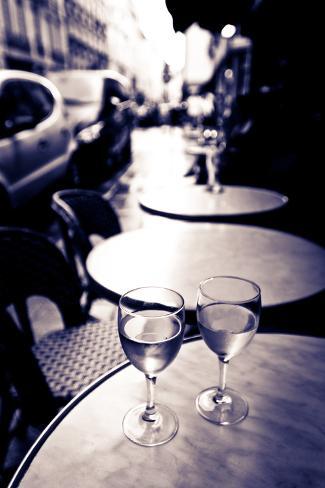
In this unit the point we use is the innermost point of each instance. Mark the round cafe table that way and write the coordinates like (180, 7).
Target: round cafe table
(287, 268)
(196, 202)
(280, 443)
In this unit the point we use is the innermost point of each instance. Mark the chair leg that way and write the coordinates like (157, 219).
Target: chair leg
(8, 409)
(23, 318)
(68, 249)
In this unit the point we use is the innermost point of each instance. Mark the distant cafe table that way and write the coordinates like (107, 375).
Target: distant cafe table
(197, 202)
(280, 443)
(287, 267)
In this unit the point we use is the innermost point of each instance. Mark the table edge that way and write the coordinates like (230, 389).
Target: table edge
(35, 448)
(49, 429)
(205, 226)
(283, 202)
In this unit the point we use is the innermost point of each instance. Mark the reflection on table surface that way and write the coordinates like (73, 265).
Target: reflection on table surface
(196, 201)
(280, 443)
(286, 267)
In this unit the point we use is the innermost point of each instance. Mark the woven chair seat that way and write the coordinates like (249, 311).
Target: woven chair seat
(71, 359)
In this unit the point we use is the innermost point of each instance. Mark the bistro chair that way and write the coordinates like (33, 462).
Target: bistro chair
(25, 397)
(83, 348)
(82, 216)
(24, 387)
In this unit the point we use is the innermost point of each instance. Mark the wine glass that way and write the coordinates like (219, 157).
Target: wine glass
(210, 140)
(151, 324)
(228, 311)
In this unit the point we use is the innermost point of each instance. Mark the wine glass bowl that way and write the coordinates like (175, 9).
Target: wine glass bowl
(228, 312)
(151, 329)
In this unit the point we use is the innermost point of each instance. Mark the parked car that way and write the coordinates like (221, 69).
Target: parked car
(83, 92)
(35, 141)
(100, 113)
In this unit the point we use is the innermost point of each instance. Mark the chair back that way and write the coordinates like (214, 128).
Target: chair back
(22, 373)
(25, 398)
(82, 213)
(32, 265)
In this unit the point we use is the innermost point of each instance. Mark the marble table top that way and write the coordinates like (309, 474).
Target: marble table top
(280, 444)
(196, 202)
(286, 267)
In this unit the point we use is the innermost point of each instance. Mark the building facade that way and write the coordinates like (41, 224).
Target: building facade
(42, 35)
(45, 35)
(86, 24)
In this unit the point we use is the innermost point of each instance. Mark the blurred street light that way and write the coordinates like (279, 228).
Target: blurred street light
(156, 25)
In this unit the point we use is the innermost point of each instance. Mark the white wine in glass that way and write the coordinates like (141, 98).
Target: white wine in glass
(228, 311)
(151, 329)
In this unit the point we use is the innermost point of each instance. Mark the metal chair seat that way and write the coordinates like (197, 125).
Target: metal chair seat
(71, 359)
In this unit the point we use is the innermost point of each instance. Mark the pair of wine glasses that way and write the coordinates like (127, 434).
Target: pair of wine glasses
(151, 323)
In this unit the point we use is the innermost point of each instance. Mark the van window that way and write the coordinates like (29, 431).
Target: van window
(41, 99)
(81, 89)
(24, 104)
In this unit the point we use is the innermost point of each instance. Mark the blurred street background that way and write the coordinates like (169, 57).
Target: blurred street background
(165, 68)
(107, 94)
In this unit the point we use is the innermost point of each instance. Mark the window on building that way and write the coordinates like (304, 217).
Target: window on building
(37, 28)
(21, 18)
(15, 24)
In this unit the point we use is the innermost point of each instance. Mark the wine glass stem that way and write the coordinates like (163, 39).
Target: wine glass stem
(223, 366)
(210, 170)
(212, 164)
(150, 413)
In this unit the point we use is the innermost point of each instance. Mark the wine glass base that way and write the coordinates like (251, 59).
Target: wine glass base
(215, 188)
(150, 433)
(231, 411)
